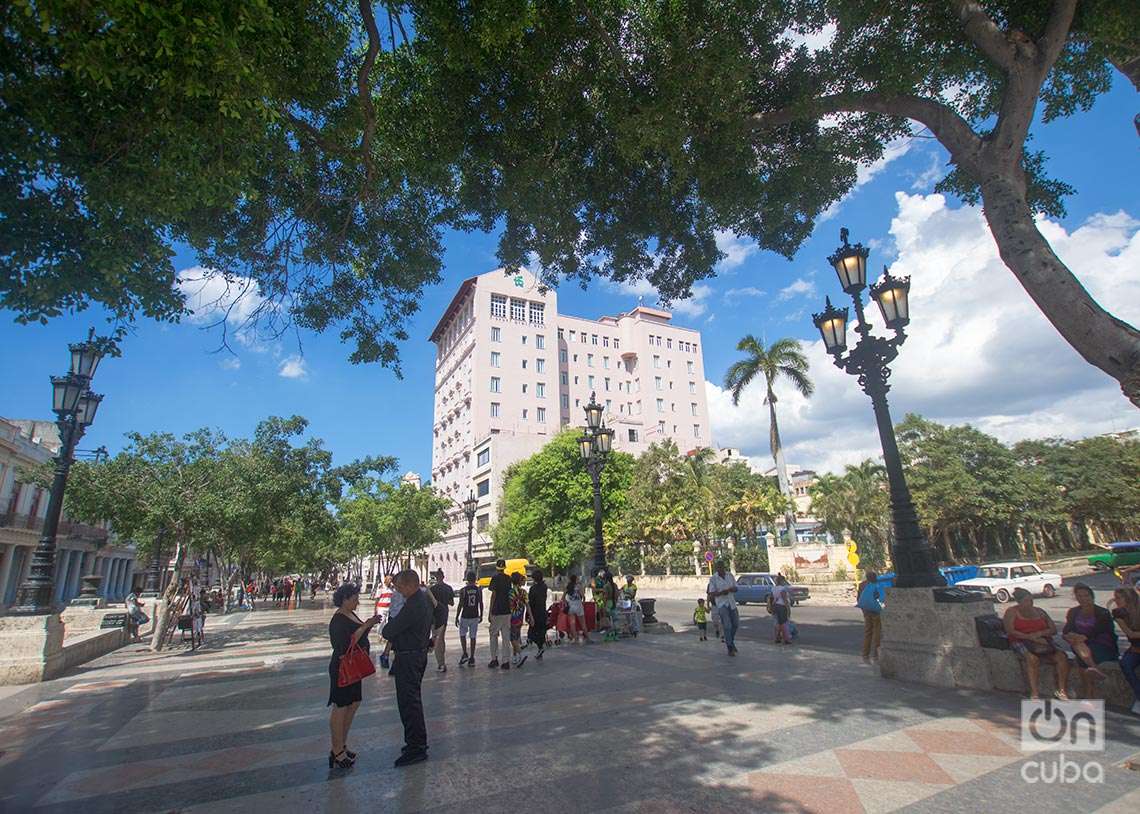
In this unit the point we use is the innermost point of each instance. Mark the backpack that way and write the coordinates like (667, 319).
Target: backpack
(771, 604)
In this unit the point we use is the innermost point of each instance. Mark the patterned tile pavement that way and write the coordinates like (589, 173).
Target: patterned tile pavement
(661, 724)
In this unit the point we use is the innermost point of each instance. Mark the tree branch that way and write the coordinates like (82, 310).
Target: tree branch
(1056, 33)
(947, 126)
(984, 33)
(364, 89)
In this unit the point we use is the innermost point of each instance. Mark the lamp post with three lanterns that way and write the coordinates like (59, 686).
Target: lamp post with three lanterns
(595, 445)
(868, 360)
(74, 406)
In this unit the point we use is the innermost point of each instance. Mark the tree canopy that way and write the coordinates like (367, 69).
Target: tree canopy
(390, 521)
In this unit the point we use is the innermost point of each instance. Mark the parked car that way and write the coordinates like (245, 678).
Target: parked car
(1119, 555)
(757, 587)
(999, 580)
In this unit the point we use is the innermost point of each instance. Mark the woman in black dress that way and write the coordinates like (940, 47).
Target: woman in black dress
(345, 628)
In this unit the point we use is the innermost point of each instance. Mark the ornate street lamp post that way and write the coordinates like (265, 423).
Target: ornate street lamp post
(595, 445)
(868, 360)
(75, 407)
(469, 507)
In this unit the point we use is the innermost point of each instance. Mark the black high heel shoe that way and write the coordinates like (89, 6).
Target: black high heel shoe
(351, 755)
(346, 763)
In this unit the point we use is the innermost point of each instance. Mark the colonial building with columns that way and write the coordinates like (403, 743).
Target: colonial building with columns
(81, 548)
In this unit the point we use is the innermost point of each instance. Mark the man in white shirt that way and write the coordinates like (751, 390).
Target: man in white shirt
(722, 588)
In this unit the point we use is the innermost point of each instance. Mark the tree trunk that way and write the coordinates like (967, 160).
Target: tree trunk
(782, 469)
(1100, 338)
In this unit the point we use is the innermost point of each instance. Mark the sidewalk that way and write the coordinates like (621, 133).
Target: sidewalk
(657, 724)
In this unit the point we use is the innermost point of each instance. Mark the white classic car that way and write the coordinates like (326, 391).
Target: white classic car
(999, 580)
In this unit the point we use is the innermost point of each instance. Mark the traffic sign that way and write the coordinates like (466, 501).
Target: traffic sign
(853, 559)
(852, 547)
(709, 556)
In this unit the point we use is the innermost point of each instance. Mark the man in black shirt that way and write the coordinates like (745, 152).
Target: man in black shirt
(409, 633)
(468, 616)
(537, 599)
(501, 615)
(444, 597)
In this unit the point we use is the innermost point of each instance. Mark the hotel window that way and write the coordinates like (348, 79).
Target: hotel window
(658, 341)
(669, 344)
(577, 402)
(540, 342)
(540, 391)
(589, 360)
(524, 413)
(496, 334)
(559, 333)
(660, 405)
(496, 384)
(562, 356)
(483, 458)
(483, 487)
(482, 522)
(615, 343)
(693, 408)
(607, 383)
(575, 380)
(657, 381)
(539, 365)
(673, 406)
(498, 306)
(575, 358)
(609, 406)
(605, 341)
(639, 408)
(541, 415)
(494, 409)
(657, 362)
(693, 387)
(694, 348)
(537, 310)
(690, 364)
(496, 358)
(524, 389)
(524, 364)
(565, 379)
(633, 435)
(606, 362)
(696, 430)
(670, 384)
(668, 364)
(565, 402)
(572, 339)
(518, 310)
(524, 339)
(661, 427)
(593, 339)
(590, 382)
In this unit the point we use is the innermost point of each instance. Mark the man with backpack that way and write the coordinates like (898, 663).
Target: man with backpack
(870, 601)
(444, 597)
(468, 617)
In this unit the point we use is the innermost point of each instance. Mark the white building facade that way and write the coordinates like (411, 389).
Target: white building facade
(81, 549)
(512, 372)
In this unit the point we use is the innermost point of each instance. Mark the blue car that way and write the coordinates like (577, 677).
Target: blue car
(756, 587)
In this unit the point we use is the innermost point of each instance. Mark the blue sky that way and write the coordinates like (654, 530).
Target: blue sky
(168, 379)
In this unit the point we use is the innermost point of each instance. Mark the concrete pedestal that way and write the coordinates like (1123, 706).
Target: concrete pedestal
(31, 648)
(932, 642)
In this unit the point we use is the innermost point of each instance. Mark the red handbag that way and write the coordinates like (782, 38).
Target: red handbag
(354, 665)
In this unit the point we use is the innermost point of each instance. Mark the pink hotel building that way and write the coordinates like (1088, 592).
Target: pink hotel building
(511, 372)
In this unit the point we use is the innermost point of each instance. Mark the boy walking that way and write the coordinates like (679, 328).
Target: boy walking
(468, 617)
(701, 617)
(520, 612)
(444, 596)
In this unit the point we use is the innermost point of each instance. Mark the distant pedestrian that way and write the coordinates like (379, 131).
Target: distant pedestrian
(410, 632)
(782, 609)
(870, 601)
(701, 619)
(520, 612)
(575, 610)
(345, 630)
(538, 620)
(610, 597)
(444, 599)
(393, 611)
(722, 587)
(629, 590)
(468, 617)
(500, 627)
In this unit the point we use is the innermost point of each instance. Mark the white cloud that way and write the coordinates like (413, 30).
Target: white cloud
(735, 294)
(293, 367)
(866, 173)
(932, 174)
(214, 298)
(978, 352)
(735, 248)
(695, 305)
(801, 287)
(230, 363)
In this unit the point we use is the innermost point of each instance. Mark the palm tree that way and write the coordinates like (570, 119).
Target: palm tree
(784, 357)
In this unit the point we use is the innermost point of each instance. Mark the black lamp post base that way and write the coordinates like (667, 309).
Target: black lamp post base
(915, 568)
(33, 600)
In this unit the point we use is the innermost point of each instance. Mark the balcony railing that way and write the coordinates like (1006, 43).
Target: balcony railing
(67, 528)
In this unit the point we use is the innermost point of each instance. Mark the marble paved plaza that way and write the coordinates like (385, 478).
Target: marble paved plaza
(662, 724)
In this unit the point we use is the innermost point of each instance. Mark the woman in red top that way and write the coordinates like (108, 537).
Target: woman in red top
(1031, 632)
